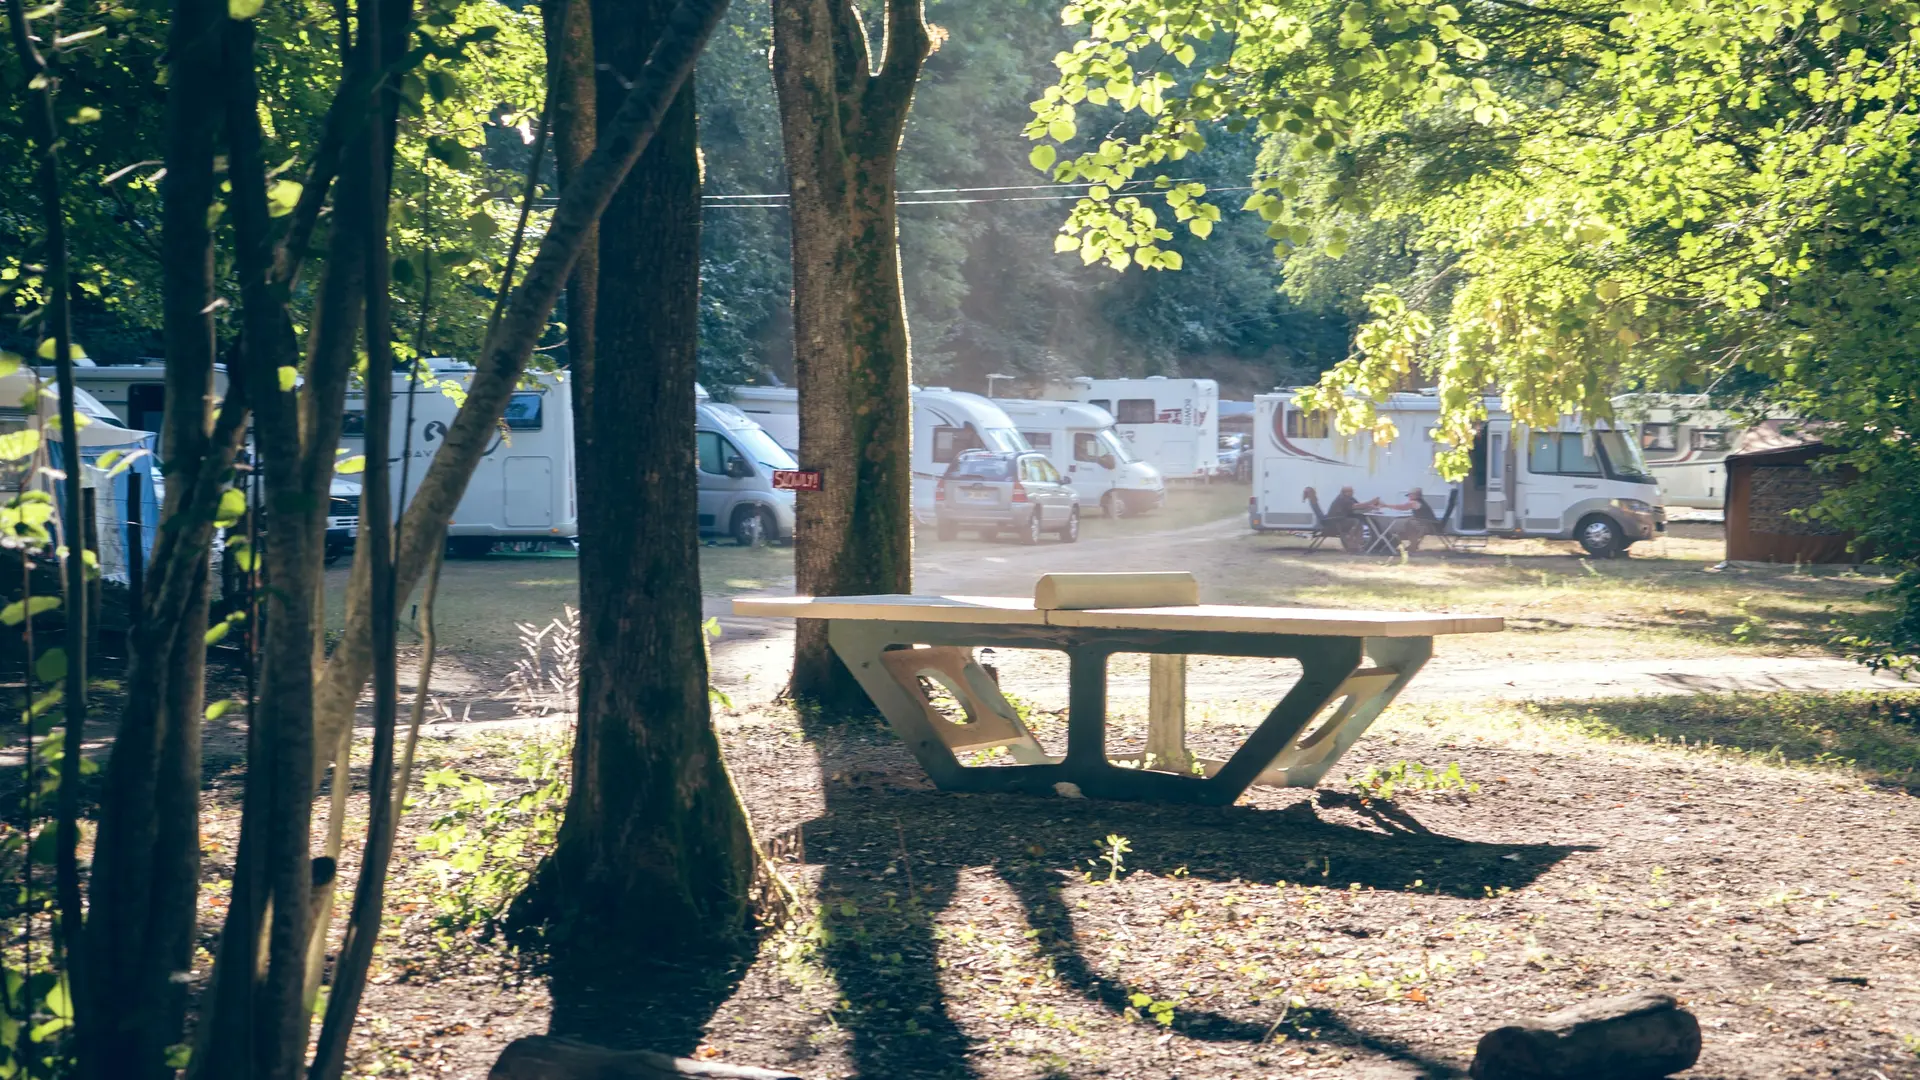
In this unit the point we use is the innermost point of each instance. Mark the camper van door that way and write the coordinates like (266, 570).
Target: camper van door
(1499, 473)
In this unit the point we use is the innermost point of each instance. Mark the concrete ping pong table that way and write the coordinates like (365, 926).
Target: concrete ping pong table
(1353, 664)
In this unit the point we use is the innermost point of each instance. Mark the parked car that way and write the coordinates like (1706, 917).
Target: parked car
(1236, 458)
(1018, 491)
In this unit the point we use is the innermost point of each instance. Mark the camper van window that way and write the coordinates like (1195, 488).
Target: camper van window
(1563, 453)
(353, 424)
(1657, 437)
(763, 449)
(1101, 403)
(950, 442)
(1134, 411)
(1305, 425)
(1623, 457)
(1086, 446)
(1039, 440)
(713, 452)
(523, 412)
(1709, 439)
(1116, 446)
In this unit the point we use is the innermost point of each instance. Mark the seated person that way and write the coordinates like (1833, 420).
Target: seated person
(1420, 523)
(1345, 507)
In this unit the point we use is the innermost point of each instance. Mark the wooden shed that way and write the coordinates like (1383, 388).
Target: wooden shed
(1771, 474)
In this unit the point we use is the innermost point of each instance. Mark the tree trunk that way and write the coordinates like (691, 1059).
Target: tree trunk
(654, 850)
(571, 104)
(841, 125)
(424, 527)
(146, 863)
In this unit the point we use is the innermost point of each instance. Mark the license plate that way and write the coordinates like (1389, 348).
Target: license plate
(979, 494)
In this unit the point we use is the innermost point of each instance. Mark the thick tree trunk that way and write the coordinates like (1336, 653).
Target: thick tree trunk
(623, 137)
(654, 851)
(147, 855)
(841, 126)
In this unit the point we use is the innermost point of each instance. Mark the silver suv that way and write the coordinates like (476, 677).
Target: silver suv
(993, 490)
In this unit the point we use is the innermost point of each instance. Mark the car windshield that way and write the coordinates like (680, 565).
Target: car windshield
(1007, 439)
(1623, 456)
(1113, 445)
(982, 467)
(757, 442)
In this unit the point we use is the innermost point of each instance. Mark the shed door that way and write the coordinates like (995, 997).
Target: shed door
(529, 483)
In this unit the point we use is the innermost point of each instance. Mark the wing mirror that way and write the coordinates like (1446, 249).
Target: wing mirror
(738, 469)
(1109, 462)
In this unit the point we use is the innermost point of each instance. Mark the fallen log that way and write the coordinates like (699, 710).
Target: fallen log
(547, 1057)
(1639, 1037)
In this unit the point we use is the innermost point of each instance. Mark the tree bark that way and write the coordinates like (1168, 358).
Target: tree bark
(572, 105)
(841, 123)
(504, 355)
(654, 850)
(146, 863)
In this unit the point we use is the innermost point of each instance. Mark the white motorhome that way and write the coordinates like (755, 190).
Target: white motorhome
(1081, 442)
(1685, 441)
(1172, 424)
(774, 408)
(137, 395)
(945, 423)
(1575, 482)
(522, 488)
(100, 433)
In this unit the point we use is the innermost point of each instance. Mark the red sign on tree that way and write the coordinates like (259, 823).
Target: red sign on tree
(798, 480)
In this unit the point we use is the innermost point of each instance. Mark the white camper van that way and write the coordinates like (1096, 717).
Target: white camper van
(101, 432)
(1685, 441)
(775, 408)
(736, 458)
(137, 395)
(1081, 442)
(1171, 424)
(1571, 483)
(945, 423)
(523, 487)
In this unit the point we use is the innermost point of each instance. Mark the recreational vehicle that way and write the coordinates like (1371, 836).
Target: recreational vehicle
(1081, 442)
(945, 423)
(522, 488)
(1171, 424)
(775, 408)
(137, 395)
(100, 433)
(1575, 482)
(736, 458)
(1685, 441)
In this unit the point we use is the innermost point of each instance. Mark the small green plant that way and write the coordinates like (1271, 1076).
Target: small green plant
(1160, 1011)
(1410, 776)
(488, 840)
(1114, 854)
(1748, 628)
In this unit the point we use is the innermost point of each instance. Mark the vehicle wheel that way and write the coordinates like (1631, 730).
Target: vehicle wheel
(1071, 530)
(1112, 506)
(1030, 533)
(750, 527)
(948, 530)
(469, 547)
(1600, 536)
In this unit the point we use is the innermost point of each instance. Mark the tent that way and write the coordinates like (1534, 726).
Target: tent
(1773, 476)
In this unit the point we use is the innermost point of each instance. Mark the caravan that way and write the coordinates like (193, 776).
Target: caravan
(1171, 424)
(1081, 442)
(1571, 483)
(522, 488)
(1685, 441)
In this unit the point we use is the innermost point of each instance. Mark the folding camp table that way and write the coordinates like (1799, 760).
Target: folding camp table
(901, 648)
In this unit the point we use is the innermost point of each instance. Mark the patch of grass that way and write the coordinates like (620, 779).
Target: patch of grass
(1874, 735)
(1403, 777)
(1186, 506)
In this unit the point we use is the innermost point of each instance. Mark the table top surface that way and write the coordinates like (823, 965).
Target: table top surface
(1219, 618)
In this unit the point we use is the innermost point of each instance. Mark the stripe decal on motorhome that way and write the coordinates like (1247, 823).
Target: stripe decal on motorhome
(1280, 438)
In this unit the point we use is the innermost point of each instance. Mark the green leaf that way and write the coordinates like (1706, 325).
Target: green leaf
(17, 612)
(85, 114)
(52, 666)
(216, 634)
(1200, 227)
(220, 708)
(19, 445)
(449, 152)
(283, 196)
(233, 507)
(1042, 157)
(1062, 131)
(9, 363)
(74, 350)
(355, 464)
(289, 378)
(244, 9)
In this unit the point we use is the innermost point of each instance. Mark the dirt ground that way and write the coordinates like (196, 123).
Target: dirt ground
(1660, 780)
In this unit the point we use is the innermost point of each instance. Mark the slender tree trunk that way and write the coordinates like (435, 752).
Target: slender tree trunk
(570, 102)
(654, 851)
(841, 124)
(147, 856)
(623, 137)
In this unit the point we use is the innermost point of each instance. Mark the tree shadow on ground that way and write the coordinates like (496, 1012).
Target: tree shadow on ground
(894, 853)
(601, 993)
(1876, 732)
